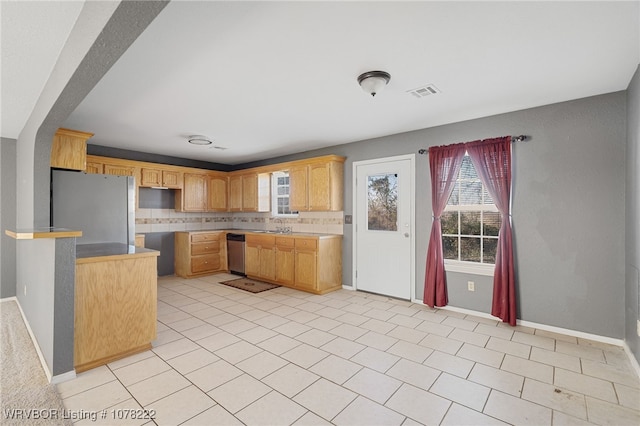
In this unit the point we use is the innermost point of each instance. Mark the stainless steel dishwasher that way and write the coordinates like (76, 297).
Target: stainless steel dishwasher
(235, 252)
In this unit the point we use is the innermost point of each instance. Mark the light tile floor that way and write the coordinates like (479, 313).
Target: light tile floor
(224, 357)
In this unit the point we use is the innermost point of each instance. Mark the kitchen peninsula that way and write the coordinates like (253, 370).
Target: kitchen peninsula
(115, 302)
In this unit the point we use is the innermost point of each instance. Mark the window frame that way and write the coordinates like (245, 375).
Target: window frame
(275, 196)
(463, 266)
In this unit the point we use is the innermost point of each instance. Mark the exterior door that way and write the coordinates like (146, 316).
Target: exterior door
(384, 222)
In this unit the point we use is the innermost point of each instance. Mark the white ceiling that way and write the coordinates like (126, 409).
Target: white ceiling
(32, 35)
(265, 79)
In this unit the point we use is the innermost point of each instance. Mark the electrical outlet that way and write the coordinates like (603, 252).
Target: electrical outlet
(25, 290)
(638, 328)
(471, 286)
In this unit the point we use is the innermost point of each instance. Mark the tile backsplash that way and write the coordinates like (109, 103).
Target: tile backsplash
(169, 220)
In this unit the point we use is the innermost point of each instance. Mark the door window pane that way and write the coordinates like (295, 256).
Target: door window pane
(382, 202)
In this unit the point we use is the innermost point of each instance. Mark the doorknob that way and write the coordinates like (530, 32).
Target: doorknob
(406, 235)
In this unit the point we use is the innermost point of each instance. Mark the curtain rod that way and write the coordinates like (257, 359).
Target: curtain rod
(519, 138)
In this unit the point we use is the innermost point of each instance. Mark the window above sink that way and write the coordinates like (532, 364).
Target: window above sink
(280, 190)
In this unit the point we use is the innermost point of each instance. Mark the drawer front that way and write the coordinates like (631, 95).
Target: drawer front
(198, 238)
(209, 247)
(262, 240)
(307, 243)
(285, 242)
(210, 262)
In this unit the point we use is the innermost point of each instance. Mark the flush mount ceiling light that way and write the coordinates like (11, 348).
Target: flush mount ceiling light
(200, 140)
(373, 81)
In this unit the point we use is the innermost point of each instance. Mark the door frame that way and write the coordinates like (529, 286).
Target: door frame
(412, 213)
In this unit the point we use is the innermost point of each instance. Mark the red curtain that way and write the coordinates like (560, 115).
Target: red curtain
(492, 160)
(444, 162)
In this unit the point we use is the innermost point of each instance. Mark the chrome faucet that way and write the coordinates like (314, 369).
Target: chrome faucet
(280, 227)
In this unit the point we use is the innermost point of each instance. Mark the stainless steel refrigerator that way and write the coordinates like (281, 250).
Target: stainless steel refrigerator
(101, 206)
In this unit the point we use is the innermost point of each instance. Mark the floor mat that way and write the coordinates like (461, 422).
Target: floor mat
(250, 285)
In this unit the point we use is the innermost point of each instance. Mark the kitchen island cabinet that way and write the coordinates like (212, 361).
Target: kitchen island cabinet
(115, 303)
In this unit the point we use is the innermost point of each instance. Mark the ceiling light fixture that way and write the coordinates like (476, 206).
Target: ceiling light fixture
(199, 140)
(373, 81)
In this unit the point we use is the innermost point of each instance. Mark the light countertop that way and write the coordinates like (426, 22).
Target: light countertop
(35, 233)
(263, 232)
(86, 253)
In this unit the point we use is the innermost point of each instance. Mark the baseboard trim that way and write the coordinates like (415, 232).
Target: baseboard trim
(595, 337)
(632, 358)
(551, 328)
(348, 287)
(45, 367)
(69, 375)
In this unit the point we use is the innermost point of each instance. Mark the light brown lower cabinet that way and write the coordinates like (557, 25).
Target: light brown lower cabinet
(199, 253)
(115, 307)
(260, 256)
(308, 263)
(139, 240)
(285, 260)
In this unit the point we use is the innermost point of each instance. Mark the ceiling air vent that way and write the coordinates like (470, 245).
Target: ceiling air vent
(424, 91)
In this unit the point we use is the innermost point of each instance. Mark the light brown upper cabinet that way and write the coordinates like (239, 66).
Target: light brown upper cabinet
(202, 192)
(249, 192)
(113, 166)
(119, 170)
(69, 149)
(235, 193)
(317, 185)
(217, 193)
(193, 197)
(161, 178)
(94, 167)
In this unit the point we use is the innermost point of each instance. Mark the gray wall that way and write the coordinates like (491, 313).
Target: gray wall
(107, 151)
(632, 258)
(568, 215)
(7, 217)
